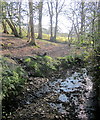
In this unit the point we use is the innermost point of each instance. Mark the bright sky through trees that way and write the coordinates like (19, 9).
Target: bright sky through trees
(64, 23)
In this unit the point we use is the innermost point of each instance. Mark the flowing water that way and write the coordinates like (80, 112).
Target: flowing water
(74, 96)
(70, 98)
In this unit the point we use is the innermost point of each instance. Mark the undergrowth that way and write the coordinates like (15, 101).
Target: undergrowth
(12, 77)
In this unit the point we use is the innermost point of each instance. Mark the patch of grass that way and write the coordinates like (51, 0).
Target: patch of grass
(62, 39)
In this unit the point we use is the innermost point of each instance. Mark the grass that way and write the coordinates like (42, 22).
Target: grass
(60, 39)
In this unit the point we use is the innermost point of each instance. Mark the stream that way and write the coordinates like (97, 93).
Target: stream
(70, 98)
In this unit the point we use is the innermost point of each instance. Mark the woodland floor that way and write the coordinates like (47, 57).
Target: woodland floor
(39, 100)
(18, 47)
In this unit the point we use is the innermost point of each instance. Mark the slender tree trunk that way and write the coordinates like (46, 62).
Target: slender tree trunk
(70, 36)
(3, 19)
(13, 28)
(98, 22)
(32, 42)
(19, 20)
(56, 27)
(51, 29)
(40, 20)
(82, 18)
(4, 27)
(12, 24)
(50, 8)
(56, 24)
(93, 27)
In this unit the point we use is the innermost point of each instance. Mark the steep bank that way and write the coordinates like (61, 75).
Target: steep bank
(95, 73)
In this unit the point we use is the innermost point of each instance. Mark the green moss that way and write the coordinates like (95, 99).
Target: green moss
(41, 65)
(27, 60)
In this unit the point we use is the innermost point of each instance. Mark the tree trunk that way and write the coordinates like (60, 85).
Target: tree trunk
(12, 24)
(40, 20)
(98, 22)
(56, 24)
(82, 18)
(19, 20)
(13, 28)
(70, 36)
(32, 42)
(50, 8)
(51, 29)
(4, 27)
(93, 28)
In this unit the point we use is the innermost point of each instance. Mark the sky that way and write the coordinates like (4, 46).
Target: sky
(64, 23)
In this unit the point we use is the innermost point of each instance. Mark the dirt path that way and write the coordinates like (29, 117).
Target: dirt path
(12, 46)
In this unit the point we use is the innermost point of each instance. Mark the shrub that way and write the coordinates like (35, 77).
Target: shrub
(12, 77)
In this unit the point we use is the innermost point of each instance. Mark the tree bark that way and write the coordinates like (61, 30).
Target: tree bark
(12, 24)
(50, 8)
(13, 28)
(19, 20)
(98, 22)
(56, 24)
(40, 20)
(32, 42)
(82, 18)
(4, 27)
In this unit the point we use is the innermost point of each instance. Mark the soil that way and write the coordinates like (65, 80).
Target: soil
(18, 47)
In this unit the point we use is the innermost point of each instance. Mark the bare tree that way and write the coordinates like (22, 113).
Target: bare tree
(54, 7)
(82, 12)
(98, 22)
(31, 23)
(4, 26)
(19, 18)
(40, 7)
(51, 14)
(58, 8)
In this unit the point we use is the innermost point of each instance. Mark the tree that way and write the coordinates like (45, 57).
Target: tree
(54, 8)
(82, 12)
(7, 15)
(11, 23)
(4, 26)
(98, 22)
(3, 12)
(40, 7)
(32, 42)
(19, 18)
(50, 9)
(58, 9)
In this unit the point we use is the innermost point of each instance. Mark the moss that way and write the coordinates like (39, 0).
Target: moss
(27, 60)
(41, 65)
(46, 65)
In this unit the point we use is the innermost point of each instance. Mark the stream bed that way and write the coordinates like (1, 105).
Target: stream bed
(70, 98)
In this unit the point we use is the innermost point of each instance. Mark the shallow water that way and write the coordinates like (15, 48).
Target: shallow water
(72, 95)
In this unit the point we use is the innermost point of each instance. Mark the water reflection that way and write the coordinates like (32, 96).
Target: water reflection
(71, 96)
(74, 90)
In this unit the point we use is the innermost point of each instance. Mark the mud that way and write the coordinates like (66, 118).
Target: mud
(70, 98)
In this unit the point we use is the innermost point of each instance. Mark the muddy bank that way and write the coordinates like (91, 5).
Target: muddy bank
(68, 98)
(63, 90)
